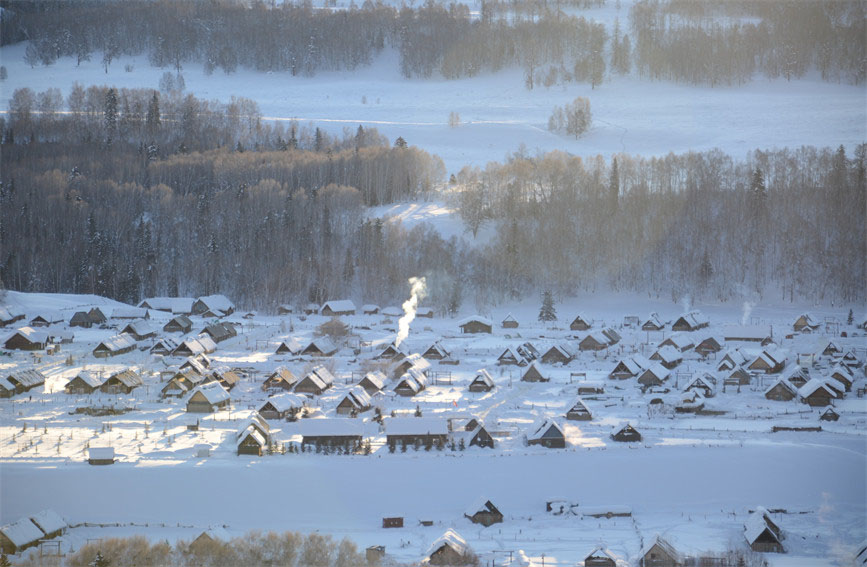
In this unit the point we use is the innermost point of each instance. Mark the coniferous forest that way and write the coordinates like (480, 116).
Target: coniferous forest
(135, 193)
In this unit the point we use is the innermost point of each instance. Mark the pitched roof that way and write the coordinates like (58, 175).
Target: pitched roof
(171, 304)
(90, 378)
(49, 521)
(338, 305)
(127, 312)
(323, 344)
(376, 378)
(327, 427)
(26, 378)
(358, 397)
(667, 354)
(117, 342)
(451, 539)
(292, 345)
(475, 319)
(481, 504)
(285, 402)
(22, 532)
(214, 392)
(541, 430)
(217, 303)
(813, 386)
(31, 334)
(755, 525)
(783, 383)
(484, 377)
(128, 378)
(666, 547)
(416, 426)
(138, 327)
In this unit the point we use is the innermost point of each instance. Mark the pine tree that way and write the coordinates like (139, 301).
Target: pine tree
(614, 186)
(99, 561)
(110, 112)
(152, 121)
(547, 312)
(400, 142)
(4, 561)
(851, 318)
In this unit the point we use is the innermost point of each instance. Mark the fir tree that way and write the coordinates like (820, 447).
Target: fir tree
(851, 318)
(4, 561)
(99, 561)
(547, 312)
(110, 112)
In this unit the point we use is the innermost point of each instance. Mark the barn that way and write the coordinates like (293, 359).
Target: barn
(81, 319)
(84, 382)
(482, 382)
(355, 401)
(100, 456)
(653, 323)
(422, 431)
(139, 330)
(114, 346)
(346, 433)
(816, 393)
(281, 379)
(760, 536)
(483, 512)
(18, 536)
(322, 346)
(509, 322)
(450, 549)
(122, 382)
(337, 307)
(212, 306)
(558, 354)
(580, 323)
(178, 324)
(710, 345)
(27, 338)
(805, 324)
(781, 391)
(373, 382)
(476, 324)
(315, 382)
(547, 434)
(579, 411)
(282, 406)
(533, 374)
(626, 434)
(208, 398)
(691, 321)
(290, 346)
(659, 553)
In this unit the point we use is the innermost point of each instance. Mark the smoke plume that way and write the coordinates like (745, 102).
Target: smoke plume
(748, 308)
(418, 290)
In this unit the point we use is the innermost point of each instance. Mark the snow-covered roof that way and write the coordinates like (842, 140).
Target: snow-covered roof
(292, 345)
(323, 344)
(48, 316)
(680, 341)
(26, 378)
(128, 378)
(748, 332)
(654, 320)
(437, 349)
(326, 427)
(658, 370)
(598, 337)
(49, 521)
(416, 426)
(392, 311)
(127, 312)
(667, 547)
(285, 402)
(424, 312)
(813, 386)
(755, 525)
(90, 378)
(118, 342)
(480, 504)
(169, 344)
(217, 303)
(451, 539)
(484, 377)
(31, 334)
(783, 383)
(251, 431)
(194, 364)
(667, 354)
(579, 407)
(539, 431)
(338, 306)
(214, 392)
(138, 327)
(171, 304)
(702, 380)
(695, 318)
(476, 319)
(7, 313)
(6, 385)
(100, 453)
(358, 397)
(509, 318)
(376, 378)
(22, 532)
(369, 308)
(564, 350)
(193, 346)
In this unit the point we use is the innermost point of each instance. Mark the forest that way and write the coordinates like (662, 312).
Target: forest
(136, 193)
(696, 42)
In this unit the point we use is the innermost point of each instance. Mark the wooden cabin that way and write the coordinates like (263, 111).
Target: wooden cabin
(208, 398)
(139, 329)
(373, 382)
(509, 322)
(629, 368)
(179, 324)
(483, 382)
(322, 347)
(213, 306)
(580, 323)
(805, 324)
(579, 411)
(760, 536)
(816, 393)
(484, 512)
(626, 434)
(709, 345)
(282, 406)
(343, 433)
(653, 323)
(659, 553)
(668, 356)
(435, 352)
(411, 431)
(289, 346)
(476, 325)
(114, 346)
(219, 332)
(547, 434)
(281, 379)
(122, 382)
(27, 338)
(558, 354)
(83, 383)
(315, 382)
(355, 401)
(450, 549)
(81, 319)
(691, 321)
(100, 456)
(533, 374)
(781, 391)
(337, 308)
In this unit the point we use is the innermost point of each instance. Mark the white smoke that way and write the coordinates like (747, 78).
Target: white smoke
(418, 290)
(687, 303)
(748, 308)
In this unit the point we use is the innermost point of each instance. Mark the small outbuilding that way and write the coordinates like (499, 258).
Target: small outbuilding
(548, 434)
(483, 512)
(208, 398)
(626, 434)
(476, 324)
(101, 456)
(483, 382)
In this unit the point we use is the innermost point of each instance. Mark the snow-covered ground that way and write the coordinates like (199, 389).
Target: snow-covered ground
(498, 114)
(692, 478)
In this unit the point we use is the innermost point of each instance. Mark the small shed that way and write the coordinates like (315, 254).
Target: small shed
(482, 382)
(483, 512)
(101, 456)
(829, 415)
(626, 434)
(208, 398)
(548, 434)
(579, 411)
(450, 549)
(337, 307)
(581, 323)
(178, 324)
(509, 322)
(476, 324)
(533, 374)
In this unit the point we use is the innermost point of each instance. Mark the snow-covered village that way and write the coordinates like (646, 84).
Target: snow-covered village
(475, 283)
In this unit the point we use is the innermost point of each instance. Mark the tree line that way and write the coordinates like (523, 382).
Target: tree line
(785, 223)
(700, 42)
